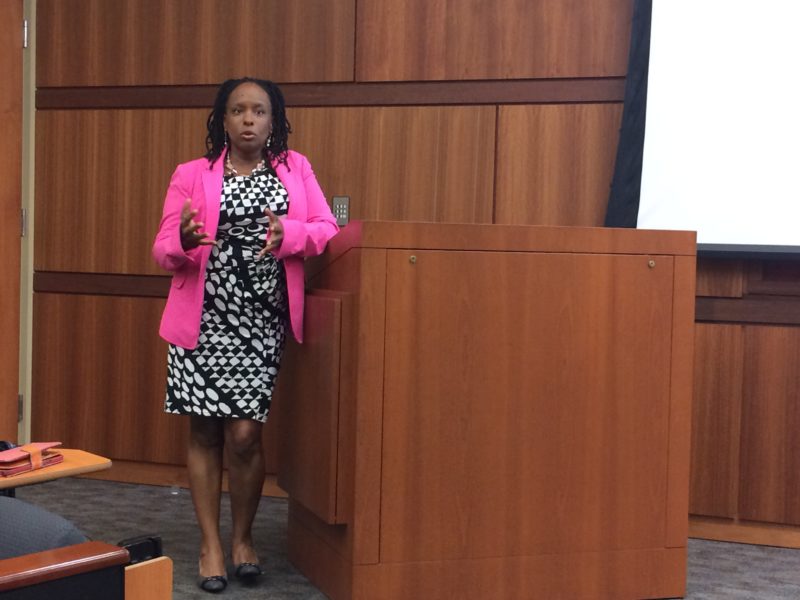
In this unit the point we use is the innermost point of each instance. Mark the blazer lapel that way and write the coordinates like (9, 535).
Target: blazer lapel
(289, 183)
(212, 190)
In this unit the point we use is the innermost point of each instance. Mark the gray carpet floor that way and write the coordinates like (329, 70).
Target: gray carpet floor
(111, 512)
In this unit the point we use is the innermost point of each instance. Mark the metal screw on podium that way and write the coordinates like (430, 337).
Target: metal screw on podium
(651, 263)
(412, 259)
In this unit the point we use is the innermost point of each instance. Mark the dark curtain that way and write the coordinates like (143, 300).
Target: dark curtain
(623, 200)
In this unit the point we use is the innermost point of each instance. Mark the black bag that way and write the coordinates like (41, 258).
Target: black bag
(142, 548)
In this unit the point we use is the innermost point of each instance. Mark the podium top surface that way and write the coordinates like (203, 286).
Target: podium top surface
(511, 238)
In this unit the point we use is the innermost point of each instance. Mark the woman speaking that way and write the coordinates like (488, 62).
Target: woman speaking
(236, 226)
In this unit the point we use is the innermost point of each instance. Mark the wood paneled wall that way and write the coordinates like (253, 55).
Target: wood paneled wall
(107, 195)
(10, 205)
(554, 163)
(172, 42)
(770, 434)
(745, 468)
(419, 110)
(420, 163)
(101, 376)
(100, 176)
(504, 39)
(719, 350)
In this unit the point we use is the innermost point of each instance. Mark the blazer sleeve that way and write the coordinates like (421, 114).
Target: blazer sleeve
(167, 249)
(308, 238)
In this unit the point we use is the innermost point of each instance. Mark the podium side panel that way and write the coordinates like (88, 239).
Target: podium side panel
(362, 273)
(680, 413)
(310, 410)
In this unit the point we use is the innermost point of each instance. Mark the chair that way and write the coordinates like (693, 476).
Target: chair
(25, 528)
(85, 571)
(44, 556)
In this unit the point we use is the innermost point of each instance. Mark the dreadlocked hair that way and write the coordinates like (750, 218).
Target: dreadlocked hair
(277, 147)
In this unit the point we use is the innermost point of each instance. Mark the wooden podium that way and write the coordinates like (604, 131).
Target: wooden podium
(492, 413)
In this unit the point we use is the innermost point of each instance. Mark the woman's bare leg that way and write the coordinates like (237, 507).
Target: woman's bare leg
(206, 439)
(246, 478)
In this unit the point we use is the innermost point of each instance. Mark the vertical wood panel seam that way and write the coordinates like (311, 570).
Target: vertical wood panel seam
(355, 42)
(733, 503)
(494, 175)
(671, 400)
(786, 511)
(386, 296)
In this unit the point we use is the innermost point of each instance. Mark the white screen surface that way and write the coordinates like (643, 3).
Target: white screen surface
(723, 121)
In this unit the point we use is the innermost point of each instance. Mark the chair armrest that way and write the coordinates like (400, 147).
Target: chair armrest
(31, 569)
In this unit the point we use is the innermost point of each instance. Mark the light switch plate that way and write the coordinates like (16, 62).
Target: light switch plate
(341, 209)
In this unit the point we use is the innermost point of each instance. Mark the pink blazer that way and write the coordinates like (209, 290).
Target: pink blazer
(307, 226)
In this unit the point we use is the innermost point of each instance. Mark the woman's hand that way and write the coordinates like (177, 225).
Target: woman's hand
(274, 233)
(191, 236)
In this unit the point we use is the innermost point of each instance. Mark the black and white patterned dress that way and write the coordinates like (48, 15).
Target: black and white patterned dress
(232, 371)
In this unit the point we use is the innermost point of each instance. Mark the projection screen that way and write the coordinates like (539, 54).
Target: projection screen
(722, 127)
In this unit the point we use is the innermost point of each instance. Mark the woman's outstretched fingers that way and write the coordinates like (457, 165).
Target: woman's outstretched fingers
(274, 233)
(191, 236)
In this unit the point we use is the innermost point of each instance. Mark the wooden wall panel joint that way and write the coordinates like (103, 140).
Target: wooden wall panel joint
(529, 91)
(101, 284)
(765, 310)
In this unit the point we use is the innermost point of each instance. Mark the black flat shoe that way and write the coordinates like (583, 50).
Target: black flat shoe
(212, 585)
(248, 571)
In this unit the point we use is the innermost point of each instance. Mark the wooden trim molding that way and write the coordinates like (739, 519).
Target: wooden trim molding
(744, 532)
(158, 474)
(102, 284)
(526, 91)
(765, 310)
